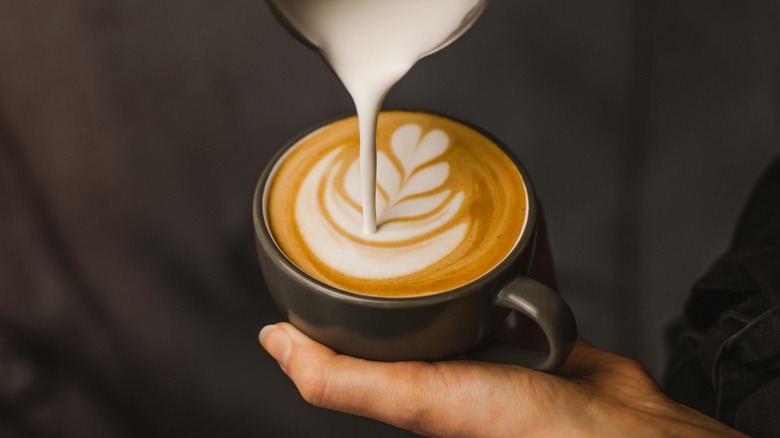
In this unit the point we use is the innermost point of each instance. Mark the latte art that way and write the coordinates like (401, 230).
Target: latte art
(412, 201)
(450, 206)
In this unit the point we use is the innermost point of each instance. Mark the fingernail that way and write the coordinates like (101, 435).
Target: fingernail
(277, 343)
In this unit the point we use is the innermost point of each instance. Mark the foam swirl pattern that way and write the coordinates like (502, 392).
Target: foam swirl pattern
(450, 206)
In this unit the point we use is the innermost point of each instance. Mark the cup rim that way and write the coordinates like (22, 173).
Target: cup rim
(266, 240)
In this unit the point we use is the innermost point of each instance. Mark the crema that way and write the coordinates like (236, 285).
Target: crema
(450, 206)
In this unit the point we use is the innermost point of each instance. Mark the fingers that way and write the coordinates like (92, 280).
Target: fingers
(472, 399)
(608, 370)
(579, 361)
(389, 392)
(427, 398)
(585, 360)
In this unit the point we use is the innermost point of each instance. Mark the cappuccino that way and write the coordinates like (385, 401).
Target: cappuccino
(450, 206)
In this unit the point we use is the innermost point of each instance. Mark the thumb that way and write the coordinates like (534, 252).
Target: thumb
(323, 377)
(395, 393)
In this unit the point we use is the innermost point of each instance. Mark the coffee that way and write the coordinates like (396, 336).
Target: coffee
(450, 206)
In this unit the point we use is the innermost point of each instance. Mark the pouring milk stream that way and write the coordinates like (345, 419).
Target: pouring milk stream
(371, 45)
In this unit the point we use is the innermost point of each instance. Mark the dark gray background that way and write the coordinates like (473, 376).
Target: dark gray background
(132, 134)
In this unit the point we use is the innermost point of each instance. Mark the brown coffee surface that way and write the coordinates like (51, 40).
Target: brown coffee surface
(451, 206)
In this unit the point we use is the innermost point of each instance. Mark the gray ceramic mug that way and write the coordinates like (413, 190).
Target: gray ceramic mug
(426, 327)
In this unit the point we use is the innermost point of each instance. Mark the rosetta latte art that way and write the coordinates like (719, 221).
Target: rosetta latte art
(414, 208)
(436, 203)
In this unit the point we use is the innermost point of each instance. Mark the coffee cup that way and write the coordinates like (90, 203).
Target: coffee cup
(457, 232)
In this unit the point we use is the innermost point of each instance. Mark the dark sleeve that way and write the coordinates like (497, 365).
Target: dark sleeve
(725, 351)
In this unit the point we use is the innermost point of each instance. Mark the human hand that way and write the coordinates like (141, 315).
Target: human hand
(594, 393)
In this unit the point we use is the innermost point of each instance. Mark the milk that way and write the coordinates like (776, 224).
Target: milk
(371, 45)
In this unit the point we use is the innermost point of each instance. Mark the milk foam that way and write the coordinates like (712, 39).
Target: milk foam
(412, 203)
(371, 45)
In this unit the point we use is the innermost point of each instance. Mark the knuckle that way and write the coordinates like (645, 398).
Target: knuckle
(636, 376)
(633, 368)
(312, 383)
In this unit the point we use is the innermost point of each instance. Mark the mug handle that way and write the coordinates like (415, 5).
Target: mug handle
(547, 309)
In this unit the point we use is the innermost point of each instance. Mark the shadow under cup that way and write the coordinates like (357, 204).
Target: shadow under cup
(420, 327)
